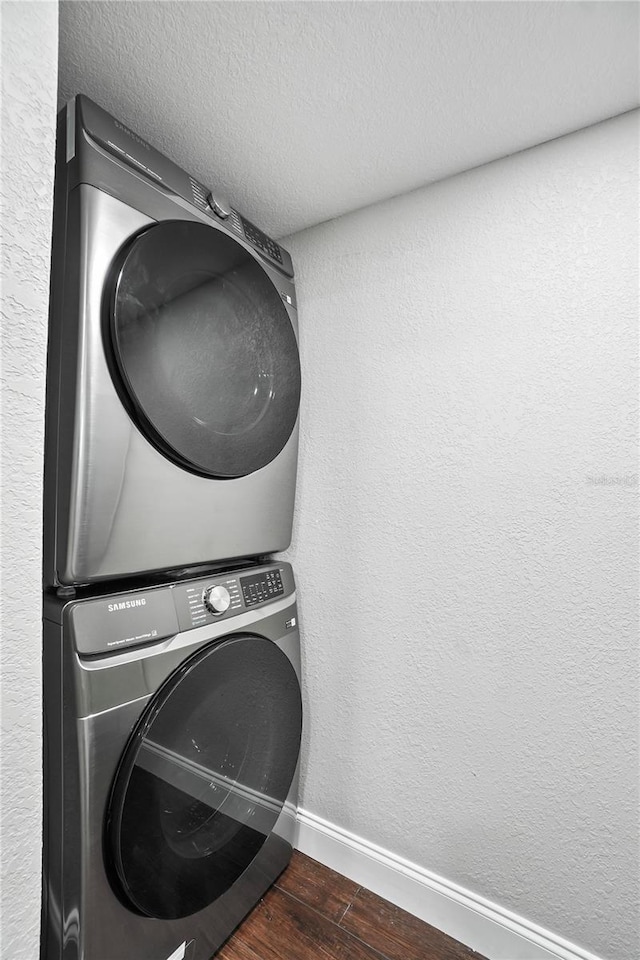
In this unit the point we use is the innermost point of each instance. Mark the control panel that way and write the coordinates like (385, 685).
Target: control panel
(213, 205)
(110, 624)
(219, 209)
(124, 144)
(260, 240)
(206, 601)
(261, 586)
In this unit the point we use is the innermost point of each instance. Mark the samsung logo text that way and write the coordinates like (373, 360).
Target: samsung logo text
(134, 136)
(126, 604)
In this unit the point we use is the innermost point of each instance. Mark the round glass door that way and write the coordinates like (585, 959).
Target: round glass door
(204, 777)
(202, 349)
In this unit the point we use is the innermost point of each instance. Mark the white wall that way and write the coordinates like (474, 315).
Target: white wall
(465, 542)
(29, 75)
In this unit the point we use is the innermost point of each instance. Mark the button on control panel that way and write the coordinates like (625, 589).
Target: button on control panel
(203, 603)
(217, 599)
(262, 586)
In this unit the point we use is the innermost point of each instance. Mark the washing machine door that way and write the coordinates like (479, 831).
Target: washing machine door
(202, 349)
(204, 777)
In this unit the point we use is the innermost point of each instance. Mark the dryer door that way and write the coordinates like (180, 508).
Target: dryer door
(202, 349)
(204, 777)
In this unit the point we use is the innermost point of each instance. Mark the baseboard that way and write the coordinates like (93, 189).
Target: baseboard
(490, 929)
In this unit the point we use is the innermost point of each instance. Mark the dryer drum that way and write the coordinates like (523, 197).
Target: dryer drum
(201, 349)
(204, 777)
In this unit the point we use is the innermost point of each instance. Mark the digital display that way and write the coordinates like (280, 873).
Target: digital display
(261, 586)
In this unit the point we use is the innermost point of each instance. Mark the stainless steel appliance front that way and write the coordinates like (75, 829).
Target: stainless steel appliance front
(172, 739)
(173, 380)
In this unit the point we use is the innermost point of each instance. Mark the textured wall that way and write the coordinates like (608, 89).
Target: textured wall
(465, 540)
(378, 97)
(29, 65)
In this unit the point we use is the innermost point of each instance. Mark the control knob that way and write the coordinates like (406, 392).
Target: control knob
(219, 206)
(217, 600)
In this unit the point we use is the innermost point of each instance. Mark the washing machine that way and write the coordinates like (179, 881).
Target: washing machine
(173, 380)
(172, 732)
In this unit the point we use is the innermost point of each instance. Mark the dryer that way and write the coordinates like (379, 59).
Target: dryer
(173, 375)
(172, 731)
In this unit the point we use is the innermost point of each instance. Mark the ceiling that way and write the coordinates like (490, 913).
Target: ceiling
(301, 111)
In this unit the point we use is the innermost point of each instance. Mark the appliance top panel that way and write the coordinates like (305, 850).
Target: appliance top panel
(120, 620)
(88, 123)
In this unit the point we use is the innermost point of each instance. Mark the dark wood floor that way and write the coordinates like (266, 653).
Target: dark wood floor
(312, 913)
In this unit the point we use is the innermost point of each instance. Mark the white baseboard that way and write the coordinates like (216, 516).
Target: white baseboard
(493, 931)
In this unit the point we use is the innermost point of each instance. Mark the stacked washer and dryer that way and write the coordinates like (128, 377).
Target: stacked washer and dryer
(172, 711)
